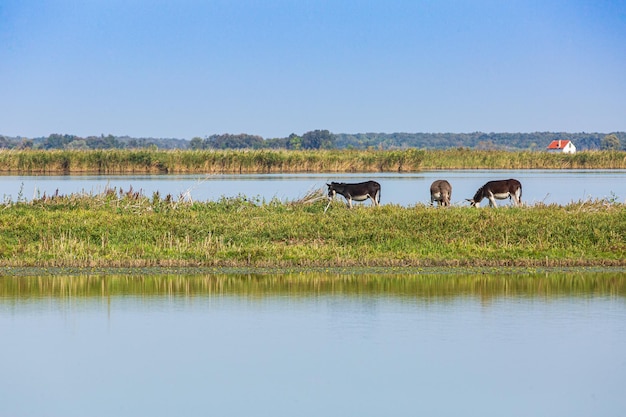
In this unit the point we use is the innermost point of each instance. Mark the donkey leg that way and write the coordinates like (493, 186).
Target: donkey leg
(375, 199)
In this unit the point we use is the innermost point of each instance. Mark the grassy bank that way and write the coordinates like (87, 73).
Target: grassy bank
(274, 161)
(130, 230)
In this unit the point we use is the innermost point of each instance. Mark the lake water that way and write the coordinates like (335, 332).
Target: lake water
(539, 186)
(314, 345)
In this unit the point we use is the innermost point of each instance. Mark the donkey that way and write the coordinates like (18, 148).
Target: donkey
(358, 192)
(441, 192)
(500, 190)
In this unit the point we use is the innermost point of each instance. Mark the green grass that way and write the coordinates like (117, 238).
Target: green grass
(130, 230)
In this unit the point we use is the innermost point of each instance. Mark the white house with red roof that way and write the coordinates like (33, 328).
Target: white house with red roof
(561, 146)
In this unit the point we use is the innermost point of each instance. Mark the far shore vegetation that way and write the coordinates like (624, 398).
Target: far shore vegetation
(128, 230)
(117, 161)
(324, 139)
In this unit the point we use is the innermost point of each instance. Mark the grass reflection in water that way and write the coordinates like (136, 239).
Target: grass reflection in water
(312, 284)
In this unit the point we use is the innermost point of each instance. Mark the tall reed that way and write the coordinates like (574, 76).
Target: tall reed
(206, 161)
(462, 158)
(279, 161)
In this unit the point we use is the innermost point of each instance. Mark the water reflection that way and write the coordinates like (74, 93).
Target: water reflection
(310, 284)
(313, 344)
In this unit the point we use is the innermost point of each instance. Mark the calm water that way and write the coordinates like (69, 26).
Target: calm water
(314, 345)
(546, 186)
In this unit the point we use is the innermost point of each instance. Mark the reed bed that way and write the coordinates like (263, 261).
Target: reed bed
(42, 162)
(461, 158)
(206, 161)
(126, 229)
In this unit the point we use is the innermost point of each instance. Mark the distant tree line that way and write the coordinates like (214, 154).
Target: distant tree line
(323, 139)
(478, 140)
(65, 141)
(316, 139)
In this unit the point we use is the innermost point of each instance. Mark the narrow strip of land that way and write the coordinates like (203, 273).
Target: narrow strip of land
(133, 231)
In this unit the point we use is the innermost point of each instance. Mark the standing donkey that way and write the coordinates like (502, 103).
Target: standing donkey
(441, 192)
(500, 190)
(358, 192)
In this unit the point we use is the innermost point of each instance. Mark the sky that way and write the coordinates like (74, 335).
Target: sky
(192, 68)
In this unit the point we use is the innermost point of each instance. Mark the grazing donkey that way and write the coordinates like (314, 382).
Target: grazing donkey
(441, 192)
(357, 192)
(500, 190)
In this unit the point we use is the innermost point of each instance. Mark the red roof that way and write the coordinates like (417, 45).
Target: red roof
(558, 144)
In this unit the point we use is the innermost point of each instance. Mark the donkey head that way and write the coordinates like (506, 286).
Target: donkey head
(331, 190)
(478, 197)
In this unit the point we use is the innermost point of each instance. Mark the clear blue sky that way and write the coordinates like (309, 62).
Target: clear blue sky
(155, 68)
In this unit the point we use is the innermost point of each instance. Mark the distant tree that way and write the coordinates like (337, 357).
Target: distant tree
(318, 139)
(294, 142)
(134, 143)
(196, 143)
(103, 142)
(26, 144)
(228, 141)
(57, 141)
(486, 145)
(80, 144)
(610, 142)
(277, 143)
